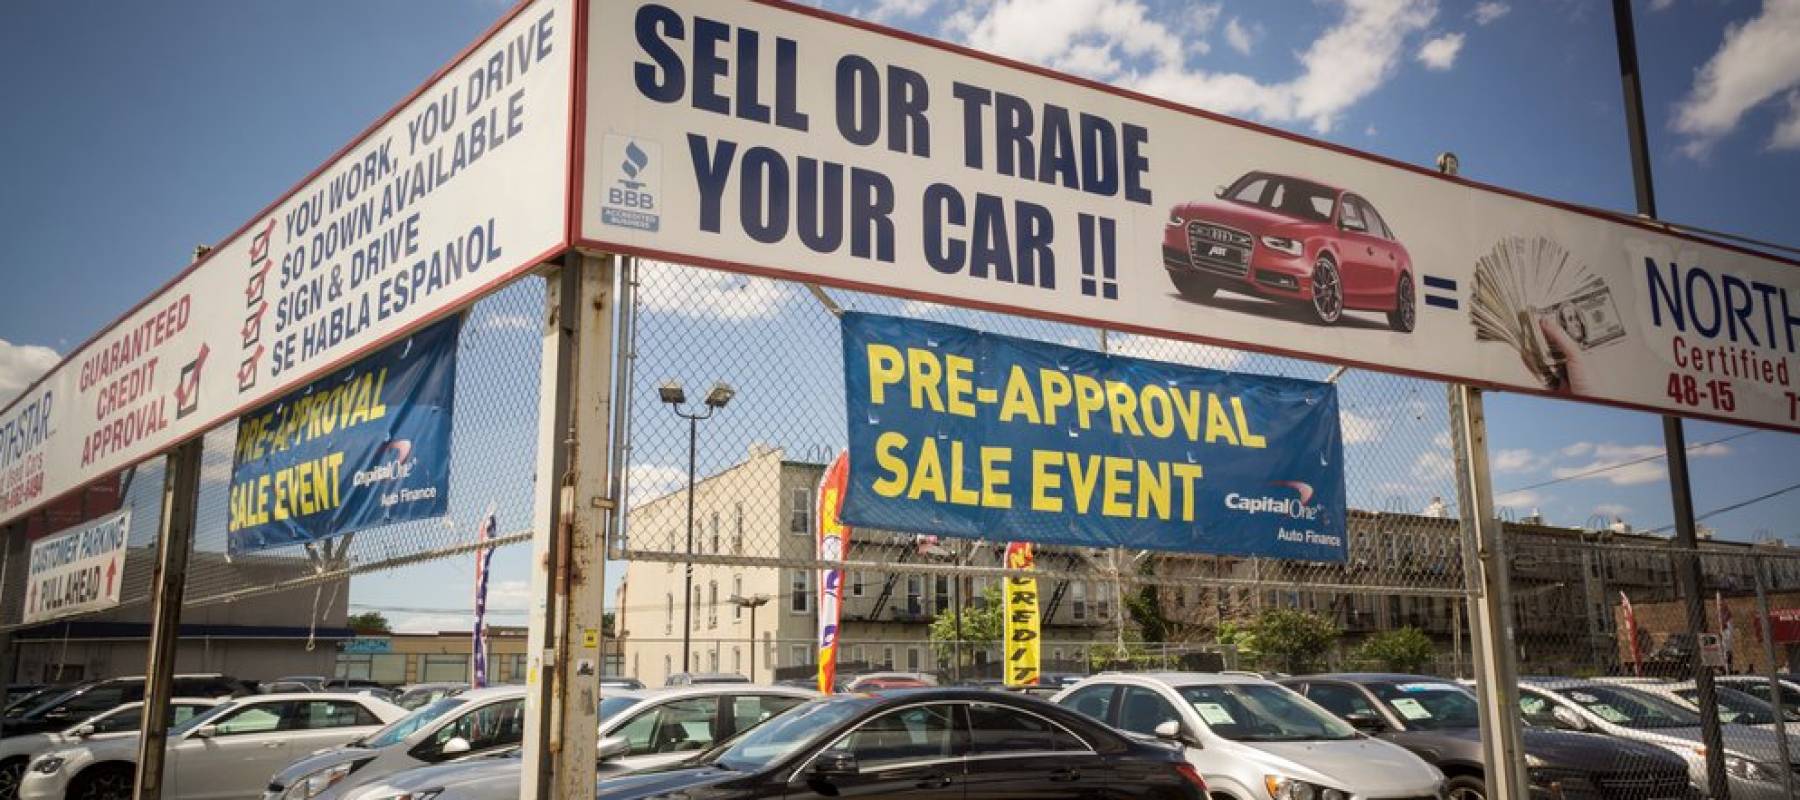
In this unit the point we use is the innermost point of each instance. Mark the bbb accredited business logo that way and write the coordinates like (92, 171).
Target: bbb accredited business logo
(633, 183)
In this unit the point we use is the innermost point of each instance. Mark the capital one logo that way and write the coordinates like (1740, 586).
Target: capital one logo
(389, 468)
(1295, 507)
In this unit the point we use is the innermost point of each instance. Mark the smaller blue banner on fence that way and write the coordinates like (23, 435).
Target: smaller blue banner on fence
(365, 446)
(961, 433)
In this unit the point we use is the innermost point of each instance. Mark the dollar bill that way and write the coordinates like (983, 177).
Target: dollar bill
(1589, 318)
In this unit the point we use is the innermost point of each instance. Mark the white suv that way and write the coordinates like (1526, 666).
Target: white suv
(1253, 739)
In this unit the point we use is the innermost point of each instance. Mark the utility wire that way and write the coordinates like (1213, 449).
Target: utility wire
(1734, 506)
(1588, 473)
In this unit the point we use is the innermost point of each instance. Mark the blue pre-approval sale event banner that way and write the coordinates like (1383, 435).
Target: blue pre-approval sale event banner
(367, 445)
(962, 433)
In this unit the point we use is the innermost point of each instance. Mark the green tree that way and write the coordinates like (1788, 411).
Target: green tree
(983, 624)
(369, 623)
(1405, 649)
(1292, 640)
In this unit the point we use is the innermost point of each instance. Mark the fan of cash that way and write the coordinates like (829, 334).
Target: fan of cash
(1525, 280)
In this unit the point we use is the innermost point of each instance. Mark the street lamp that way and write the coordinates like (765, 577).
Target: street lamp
(753, 602)
(671, 393)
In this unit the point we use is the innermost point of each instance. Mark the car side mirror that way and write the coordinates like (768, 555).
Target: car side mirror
(206, 731)
(835, 764)
(1568, 719)
(1219, 191)
(455, 747)
(1171, 731)
(1365, 721)
(83, 732)
(613, 747)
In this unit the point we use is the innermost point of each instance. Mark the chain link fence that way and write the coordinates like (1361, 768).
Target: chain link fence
(493, 458)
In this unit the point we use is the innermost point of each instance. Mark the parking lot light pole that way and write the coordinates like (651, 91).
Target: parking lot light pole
(753, 602)
(671, 393)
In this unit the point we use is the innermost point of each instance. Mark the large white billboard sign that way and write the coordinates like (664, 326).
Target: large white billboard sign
(77, 570)
(460, 188)
(770, 138)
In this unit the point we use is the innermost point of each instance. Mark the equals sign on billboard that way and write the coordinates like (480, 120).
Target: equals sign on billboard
(1441, 292)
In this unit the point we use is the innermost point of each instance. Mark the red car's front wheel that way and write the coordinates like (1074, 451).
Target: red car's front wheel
(1405, 313)
(1327, 290)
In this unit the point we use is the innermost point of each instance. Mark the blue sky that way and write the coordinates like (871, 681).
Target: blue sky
(136, 131)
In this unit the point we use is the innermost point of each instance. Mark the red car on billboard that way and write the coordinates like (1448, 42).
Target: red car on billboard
(1295, 241)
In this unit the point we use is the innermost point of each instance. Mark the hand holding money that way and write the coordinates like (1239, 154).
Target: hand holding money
(1568, 356)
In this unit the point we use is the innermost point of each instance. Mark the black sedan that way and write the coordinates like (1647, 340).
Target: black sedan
(1437, 720)
(930, 744)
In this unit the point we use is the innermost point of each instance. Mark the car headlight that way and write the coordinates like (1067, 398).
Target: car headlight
(383, 792)
(48, 765)
(1749, 770)
(1283, 244)
(315, 784)
(1175, 221)
(1285, 788)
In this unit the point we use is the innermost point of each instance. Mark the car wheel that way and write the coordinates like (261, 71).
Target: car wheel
(1193, 286)
(1465, 787)
(1406, 312)
(1327, 290)
(11, 773)
(110, 782)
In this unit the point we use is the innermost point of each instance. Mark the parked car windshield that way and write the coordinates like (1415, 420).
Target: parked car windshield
(1254, 712)
(1292, 197)
(782, 736)
(1430, 706)
(1737, 707)
(397, 731)
(1631, 709)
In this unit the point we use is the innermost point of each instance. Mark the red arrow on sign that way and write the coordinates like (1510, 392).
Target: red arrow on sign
(189, 385)
(112, 569)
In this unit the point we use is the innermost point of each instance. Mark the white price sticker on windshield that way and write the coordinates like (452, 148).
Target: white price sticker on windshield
(1411, 709)
(1214, 714)
(1427, 687)
(1609, 713)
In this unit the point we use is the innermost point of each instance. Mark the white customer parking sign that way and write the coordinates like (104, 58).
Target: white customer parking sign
(77, 570)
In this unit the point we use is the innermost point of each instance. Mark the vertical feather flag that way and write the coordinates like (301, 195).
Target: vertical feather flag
(1022, 623)
(484, 557)
(834, 544)
(1631, 632)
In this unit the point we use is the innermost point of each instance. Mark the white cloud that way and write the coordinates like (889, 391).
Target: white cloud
(651, 481)
(422, 622)
(1612, 509)
(510, 322)
(708, 294)
(1626, 465)
(1757, 61)
(1440, 53)
(509, 596)
(1661, 5)
(1434, 468)
(1520, 460)
(1203, 16)
(1489, 10)
(1123, 43)
(20, 364)
(1171, 350)
(1578, 449)
(1359, 429)
(889, 10)
(1240, 38)
(1370, 130)
(1523, 500)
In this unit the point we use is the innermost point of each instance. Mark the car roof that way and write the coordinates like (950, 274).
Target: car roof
(263, 698)
(490, 692)
(1183, 678)
(1370, 677)
(704, 690)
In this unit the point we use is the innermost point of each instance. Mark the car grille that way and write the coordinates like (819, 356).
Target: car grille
(1218, 248)
(1641, 786)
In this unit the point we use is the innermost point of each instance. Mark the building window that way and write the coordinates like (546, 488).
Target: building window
(712, 661)
(914, 603)
(444, 667)
(801, 600)
(712, 606)
(737, 530)
(800, 518)
(856, 584)
(695, 607)
(799, 655)
(912, 659)
(737, 590)
(1078, 600)
(887, 657)
(942, 589)
(715, 533)
(668, 666)
(669, 624)
(737, 659)
(1103, 601)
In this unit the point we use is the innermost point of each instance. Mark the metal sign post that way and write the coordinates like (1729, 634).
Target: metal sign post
(1490, 604)
(174, 541)
(571, 504)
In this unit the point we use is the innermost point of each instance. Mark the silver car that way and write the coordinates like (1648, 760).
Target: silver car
(17, 751)
(1253, 739)
(452, 728)
(1752, 757)
(638, 730)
